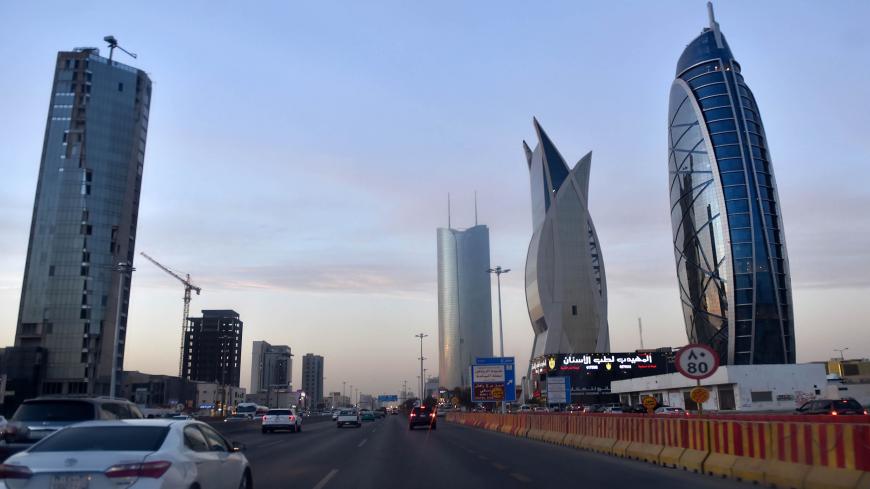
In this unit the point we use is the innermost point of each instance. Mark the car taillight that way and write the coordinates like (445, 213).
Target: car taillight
(264, 418)
(432, 414)
(833, 413)
(865, 412)
(14, 472)
(413, 415)
(292, 418)
(151, 470)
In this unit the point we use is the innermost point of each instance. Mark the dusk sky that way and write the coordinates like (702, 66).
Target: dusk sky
(300, 155)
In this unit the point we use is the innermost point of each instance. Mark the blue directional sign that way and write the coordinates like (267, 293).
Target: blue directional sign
(493, 380)
(388, 398)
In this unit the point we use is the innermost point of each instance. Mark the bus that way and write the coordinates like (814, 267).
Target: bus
(249, 409)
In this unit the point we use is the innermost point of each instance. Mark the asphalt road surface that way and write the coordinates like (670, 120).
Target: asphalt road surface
(385, 454)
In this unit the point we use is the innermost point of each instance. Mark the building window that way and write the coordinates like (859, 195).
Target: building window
(52, 387)
(726, 398)
(573, 310)
(761, 396)
(51, 271)
(120, 87)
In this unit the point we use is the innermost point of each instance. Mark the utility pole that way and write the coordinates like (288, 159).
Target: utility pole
(421, 336)
(640, 332)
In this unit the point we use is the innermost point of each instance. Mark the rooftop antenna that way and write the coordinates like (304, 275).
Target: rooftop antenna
(448, 211)
(714, 26)
(475, 207)
(640, 332)
(113, 43)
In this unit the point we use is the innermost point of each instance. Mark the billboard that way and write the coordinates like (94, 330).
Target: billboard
(493, 380)
(558, 390)
(592, 373)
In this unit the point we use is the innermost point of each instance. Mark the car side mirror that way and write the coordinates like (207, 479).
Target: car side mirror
(239, 447)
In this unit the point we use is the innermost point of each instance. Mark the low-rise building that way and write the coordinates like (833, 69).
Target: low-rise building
(213, 398)
(733, 388)
(158, 391)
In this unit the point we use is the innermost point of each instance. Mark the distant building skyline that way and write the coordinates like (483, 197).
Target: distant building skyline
(84, 222)
(464, 301)
(729, 244)
(312, 378)
(271, 367)
(566, 287)
(213, 347)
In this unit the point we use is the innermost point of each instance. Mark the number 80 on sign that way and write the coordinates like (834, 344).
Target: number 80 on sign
(696, 361)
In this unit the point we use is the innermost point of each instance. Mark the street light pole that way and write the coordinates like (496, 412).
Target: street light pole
(421, 336)
(841, 350)
(124, 269)
(497, 271)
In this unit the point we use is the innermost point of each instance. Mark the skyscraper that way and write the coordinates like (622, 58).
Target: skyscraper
(566, 290)
(213, 347)
(84, 221)
(312, 378)
(464, 302)
(271, 366)
(729, 245)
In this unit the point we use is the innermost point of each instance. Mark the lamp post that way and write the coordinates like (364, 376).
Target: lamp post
(497, 271)
(421, 336)
(124, 269)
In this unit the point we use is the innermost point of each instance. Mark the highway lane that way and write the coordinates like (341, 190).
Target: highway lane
(385, 453)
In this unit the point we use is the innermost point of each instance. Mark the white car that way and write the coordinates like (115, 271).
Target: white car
(335, 414)
(133, 454)
(525, 408)
(671, 411)
(282, 419)
(348, 416)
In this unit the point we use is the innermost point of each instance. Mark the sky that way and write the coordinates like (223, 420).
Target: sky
(300, 154)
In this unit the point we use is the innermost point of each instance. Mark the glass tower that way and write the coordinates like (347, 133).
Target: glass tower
(84, 221)
(464, 302)
(729, 244)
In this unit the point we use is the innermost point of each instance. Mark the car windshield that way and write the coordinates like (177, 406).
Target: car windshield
(59, 411)
(347, 413)
(104, 439)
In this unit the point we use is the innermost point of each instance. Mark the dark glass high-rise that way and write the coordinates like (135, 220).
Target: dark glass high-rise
(729, 243)
(84, 221)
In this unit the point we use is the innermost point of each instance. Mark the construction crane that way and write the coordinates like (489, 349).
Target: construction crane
(188, 286)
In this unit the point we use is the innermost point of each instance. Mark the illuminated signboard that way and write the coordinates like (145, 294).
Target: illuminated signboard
(593, 372)
(492, 380)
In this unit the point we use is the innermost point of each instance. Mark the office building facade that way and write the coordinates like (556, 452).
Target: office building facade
(729, 243)
(464, 302)
(312, 378)
(84, 222)
(213, 348)
(566, 288)
(271, 367)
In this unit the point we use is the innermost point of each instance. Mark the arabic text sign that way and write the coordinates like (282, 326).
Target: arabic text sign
(488, 373)
(593, 372)
(488, 391)
(558, 390)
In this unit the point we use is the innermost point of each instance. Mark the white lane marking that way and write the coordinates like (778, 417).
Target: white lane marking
(326, 479)
(362, 442)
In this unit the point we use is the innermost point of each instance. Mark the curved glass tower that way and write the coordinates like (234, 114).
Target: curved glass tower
(728, 239)
(566, 291)
(464, 302)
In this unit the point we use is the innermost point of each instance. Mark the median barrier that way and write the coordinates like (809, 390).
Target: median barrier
(787, 452)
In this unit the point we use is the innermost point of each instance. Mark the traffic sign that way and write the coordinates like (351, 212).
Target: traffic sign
(696, 361)
(493, 380)
(650, 403)
(700, 395)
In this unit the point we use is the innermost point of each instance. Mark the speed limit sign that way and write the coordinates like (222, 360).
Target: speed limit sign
(697, 361)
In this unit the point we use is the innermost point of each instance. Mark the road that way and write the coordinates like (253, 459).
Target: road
(385, 454)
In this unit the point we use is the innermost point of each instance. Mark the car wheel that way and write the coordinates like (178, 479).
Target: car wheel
(411, 427)
(299, 429)
(265, 431)
(433, 427)
(338, 425)
(292, 429)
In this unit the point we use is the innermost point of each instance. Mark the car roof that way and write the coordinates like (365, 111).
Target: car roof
(138, 422)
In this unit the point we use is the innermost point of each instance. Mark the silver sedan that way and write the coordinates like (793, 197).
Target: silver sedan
(130, 454)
